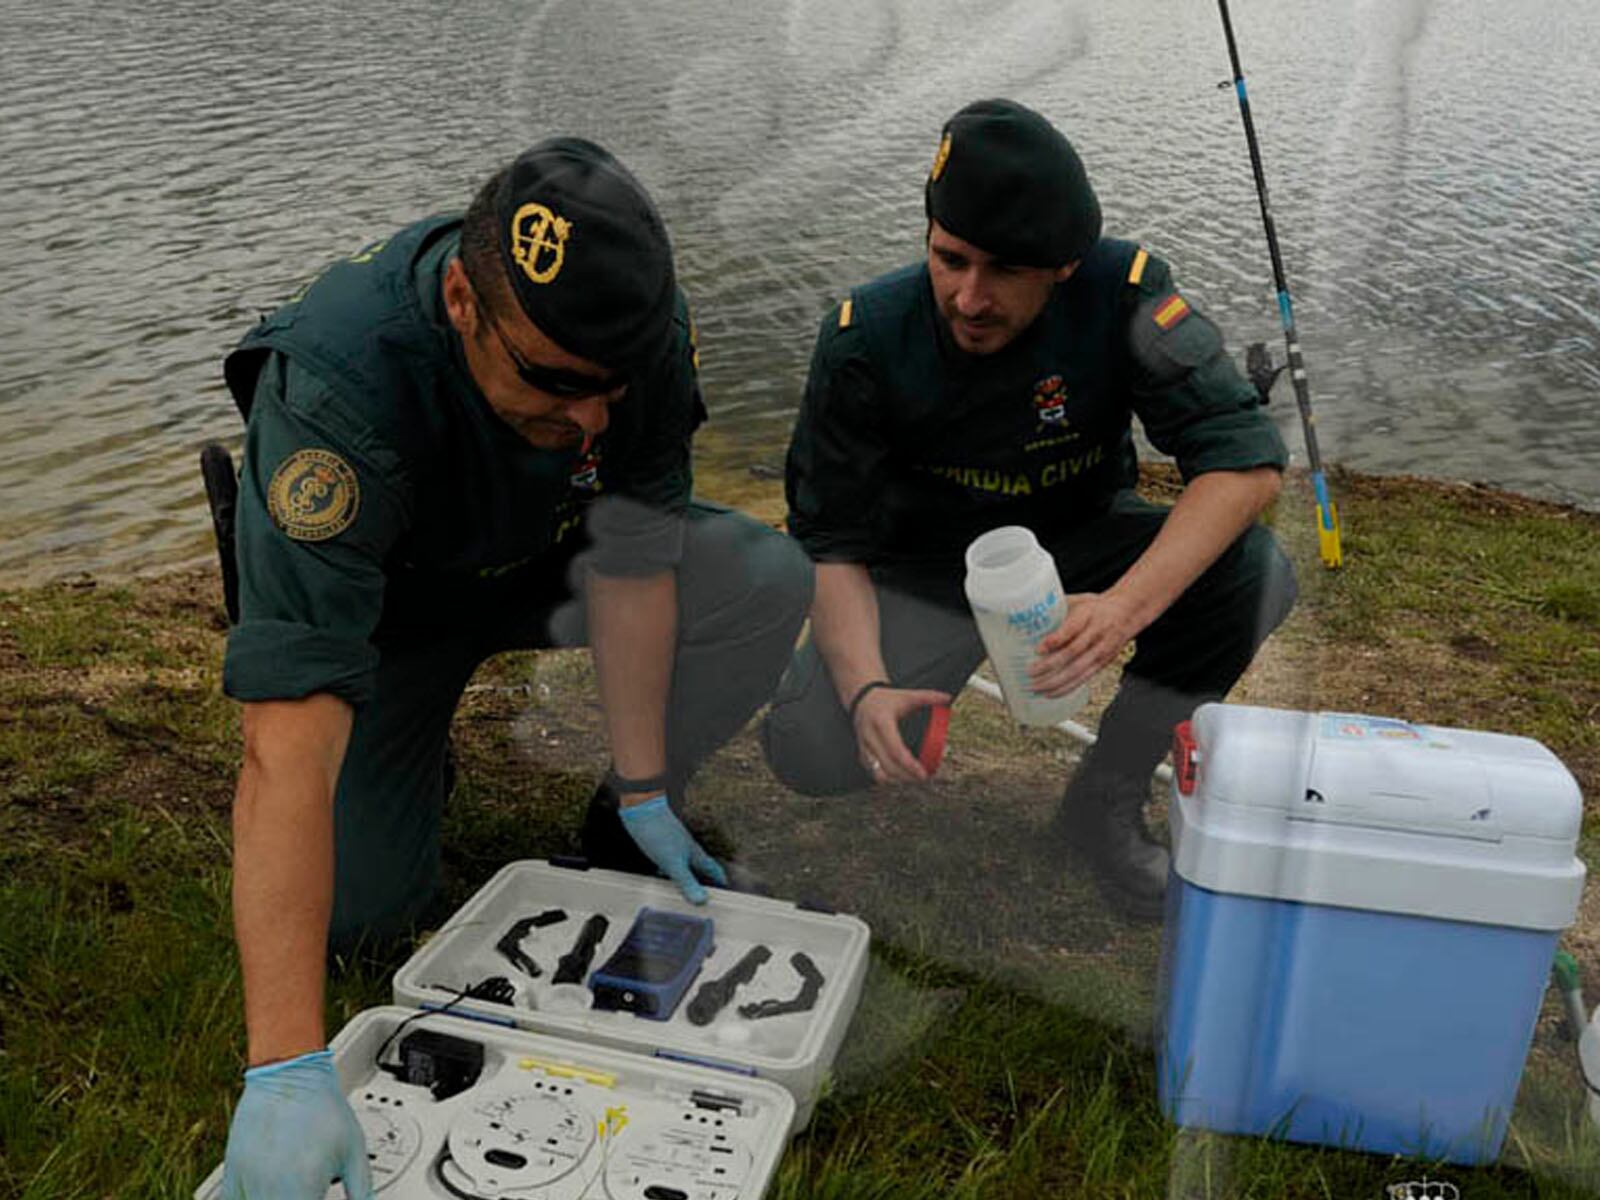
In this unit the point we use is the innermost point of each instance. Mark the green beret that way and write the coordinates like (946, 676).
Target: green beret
(587, 253)
(1007, 181)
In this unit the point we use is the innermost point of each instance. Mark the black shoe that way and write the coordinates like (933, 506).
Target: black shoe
(1101, 820)
(606, 843)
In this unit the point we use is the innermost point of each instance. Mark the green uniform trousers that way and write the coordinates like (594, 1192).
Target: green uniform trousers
(743, 592)
(1192, 653)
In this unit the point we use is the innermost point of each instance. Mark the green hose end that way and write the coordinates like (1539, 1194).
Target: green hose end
(1566, 969)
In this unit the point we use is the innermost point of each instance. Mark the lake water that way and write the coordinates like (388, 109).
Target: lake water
(172, 169)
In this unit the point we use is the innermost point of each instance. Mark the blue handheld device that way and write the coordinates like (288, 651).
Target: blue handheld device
(657, 961)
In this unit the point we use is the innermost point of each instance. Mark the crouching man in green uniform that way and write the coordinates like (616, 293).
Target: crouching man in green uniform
(994, 384)
(471, 437)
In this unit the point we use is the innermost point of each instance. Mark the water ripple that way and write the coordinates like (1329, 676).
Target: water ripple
(174, 169)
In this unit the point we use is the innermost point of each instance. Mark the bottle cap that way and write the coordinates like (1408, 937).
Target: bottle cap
(931, 753)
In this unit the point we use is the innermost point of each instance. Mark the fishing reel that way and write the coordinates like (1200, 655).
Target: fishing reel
(1259, 370)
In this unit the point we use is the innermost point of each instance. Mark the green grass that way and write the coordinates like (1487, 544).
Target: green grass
(80, 627)
(1001, 1049)
(1506, 588)
(57, 749)
(120, 988)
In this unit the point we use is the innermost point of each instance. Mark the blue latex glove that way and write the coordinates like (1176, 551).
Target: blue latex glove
(658, 832)
(293, 1132)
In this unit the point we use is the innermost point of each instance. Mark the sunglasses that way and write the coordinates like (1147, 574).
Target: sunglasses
(553, 381)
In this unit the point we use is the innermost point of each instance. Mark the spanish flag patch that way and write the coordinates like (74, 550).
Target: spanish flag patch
(1171, 311)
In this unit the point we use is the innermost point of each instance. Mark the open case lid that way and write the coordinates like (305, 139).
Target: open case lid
(546, 1119)
(1379, 814)
(794, 1048)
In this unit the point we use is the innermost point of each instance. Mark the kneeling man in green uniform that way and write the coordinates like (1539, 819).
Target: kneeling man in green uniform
(995, 384)
(471, 437)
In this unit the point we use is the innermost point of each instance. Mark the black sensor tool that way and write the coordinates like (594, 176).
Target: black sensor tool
(714, 994)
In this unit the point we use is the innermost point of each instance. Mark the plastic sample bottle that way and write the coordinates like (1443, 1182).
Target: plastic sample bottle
(1016, 598)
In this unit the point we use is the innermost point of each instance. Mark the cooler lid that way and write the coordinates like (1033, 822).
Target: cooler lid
(1391, 774)
(1374, 812)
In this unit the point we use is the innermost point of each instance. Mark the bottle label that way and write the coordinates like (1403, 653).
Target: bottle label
(1036, 620)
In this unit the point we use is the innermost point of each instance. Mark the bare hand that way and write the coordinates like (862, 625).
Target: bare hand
(882, 750)
(1097, 627)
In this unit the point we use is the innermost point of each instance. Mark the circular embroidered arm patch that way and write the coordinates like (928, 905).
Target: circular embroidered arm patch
(313, 495)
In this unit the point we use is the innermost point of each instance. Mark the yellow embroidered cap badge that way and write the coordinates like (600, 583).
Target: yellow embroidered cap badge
(539, 242)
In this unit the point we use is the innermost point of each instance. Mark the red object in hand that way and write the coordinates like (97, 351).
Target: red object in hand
(931, 753)
(1185, 757)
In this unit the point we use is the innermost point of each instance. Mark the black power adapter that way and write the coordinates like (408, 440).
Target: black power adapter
(443, 1064)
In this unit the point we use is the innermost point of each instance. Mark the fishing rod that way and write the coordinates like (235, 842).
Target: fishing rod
(1327, 513)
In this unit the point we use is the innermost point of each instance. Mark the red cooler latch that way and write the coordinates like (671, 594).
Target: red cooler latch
(1185, 757)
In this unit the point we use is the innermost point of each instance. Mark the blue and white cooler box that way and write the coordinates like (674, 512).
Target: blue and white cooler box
(1360, 927)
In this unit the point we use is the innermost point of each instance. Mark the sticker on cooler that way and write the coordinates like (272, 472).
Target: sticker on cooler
(1352, 726)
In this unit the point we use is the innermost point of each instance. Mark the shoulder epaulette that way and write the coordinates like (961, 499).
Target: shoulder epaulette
(846, 313)
(1136, 271)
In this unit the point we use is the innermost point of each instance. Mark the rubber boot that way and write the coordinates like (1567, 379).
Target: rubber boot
(1101, 820)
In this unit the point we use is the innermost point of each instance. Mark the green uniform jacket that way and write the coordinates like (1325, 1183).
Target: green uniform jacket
(381, 497)
(907, 448)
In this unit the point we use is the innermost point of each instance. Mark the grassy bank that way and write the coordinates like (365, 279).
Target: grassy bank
(1002, 1048)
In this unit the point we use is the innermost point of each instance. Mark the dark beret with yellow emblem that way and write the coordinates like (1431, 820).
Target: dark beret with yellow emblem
(587, 253)
(1007, 181)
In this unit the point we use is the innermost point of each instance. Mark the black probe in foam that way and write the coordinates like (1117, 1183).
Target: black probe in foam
(715, 994)
(811, 981)
(510, 944)
(575, 962)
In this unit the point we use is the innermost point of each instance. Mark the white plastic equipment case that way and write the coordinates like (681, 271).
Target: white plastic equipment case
(620, 1107)
(1360, 927)
(548, 1120)
(794, 1050)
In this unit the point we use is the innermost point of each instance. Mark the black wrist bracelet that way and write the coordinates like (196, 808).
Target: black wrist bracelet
(632, 787)
(861, 694)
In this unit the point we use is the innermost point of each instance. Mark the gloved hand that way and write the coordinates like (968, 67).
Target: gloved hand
(293, 1132)
(659, 833)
